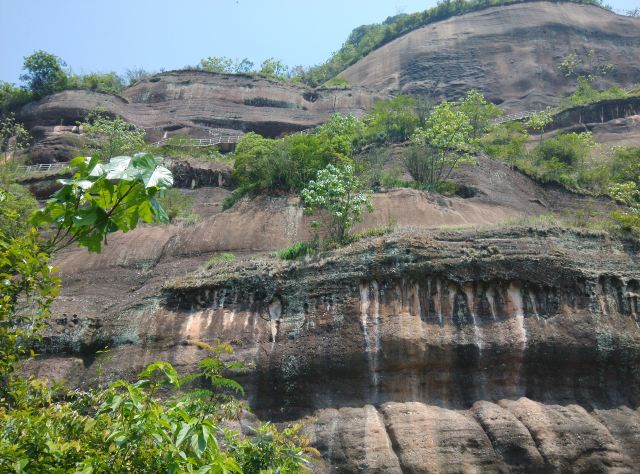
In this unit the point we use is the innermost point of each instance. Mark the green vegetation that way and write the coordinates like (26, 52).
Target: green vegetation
(104, 197)
(268, 165)
(587, 70)
(506, 142)
(162, 422)
(539, 121)
(393, 120)
(367, 38)
(225, 257)
(298, 251)
(12, 96)
(563, 159)
(337, 191)
(13, 136)
(176, 147)
(586, 94)
(109, 82)
(44, 74)
(111, 136)
(270, 68)
(18, 205)
(178, 206)
(448, 139)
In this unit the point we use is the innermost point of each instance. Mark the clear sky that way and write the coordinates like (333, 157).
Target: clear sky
(114, 35)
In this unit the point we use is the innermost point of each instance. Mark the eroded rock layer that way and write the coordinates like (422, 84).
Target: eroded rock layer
(510, 53)
(196, 102)
(472, 351)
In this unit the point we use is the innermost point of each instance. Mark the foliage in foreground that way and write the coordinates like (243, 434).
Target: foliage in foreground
(160, 423)
(105, 197)
(163, 422)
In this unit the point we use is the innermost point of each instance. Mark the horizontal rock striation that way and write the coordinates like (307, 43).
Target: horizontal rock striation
(196, 102)
(437, 320)
(509, 53)
(506, 350)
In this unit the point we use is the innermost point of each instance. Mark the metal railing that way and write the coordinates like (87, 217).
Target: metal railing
(198, 142)
(213, 141)
(515, 116)
(41, 168)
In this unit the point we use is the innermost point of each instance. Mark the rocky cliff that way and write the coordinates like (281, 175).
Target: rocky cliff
(196, 102)
(499, 350)
(511, 54)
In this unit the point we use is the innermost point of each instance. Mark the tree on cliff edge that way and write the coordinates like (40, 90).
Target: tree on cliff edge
(44, 73)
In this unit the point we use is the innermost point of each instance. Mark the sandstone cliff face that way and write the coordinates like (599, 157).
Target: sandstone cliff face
(511, 54)
(502, 350)
(194, 102)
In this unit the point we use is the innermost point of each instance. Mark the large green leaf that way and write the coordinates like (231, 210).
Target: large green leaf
(160, 177)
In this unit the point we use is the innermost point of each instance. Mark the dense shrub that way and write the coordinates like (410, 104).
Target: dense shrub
(445, 142)
(297, 251)
(505, 142)
(391, 120)
(625, 164)
(109, 83)
(178, 206)
(268, 165)
(563, 159)
(18, 204)
(586, 94)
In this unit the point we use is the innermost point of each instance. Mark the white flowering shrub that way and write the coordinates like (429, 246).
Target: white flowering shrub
(337, 191)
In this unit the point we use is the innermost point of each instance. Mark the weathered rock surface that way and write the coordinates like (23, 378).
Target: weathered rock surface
(471, 351)
(511, 54)
(196, 102)
(612, 122)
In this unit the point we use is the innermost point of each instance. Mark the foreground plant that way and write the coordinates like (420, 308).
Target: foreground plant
(163, 422)
(105, 197)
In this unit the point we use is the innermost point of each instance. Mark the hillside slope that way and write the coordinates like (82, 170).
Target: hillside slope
(509, 53)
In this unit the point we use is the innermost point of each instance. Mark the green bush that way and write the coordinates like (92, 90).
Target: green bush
(18, 204)
(12, 97)
(177, 205)
(391, 120)
(264, 165)
(109, 83)
(563, 159)
(297, 251)
(625, 164)
(586, 94)
(505, 142)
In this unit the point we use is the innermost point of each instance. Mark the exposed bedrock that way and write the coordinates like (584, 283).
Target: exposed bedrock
(434, 322)
(510, 53)
(196, 102)
(473, 351)
(600, 112)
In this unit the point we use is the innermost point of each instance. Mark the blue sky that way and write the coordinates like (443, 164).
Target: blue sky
(114, 35)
